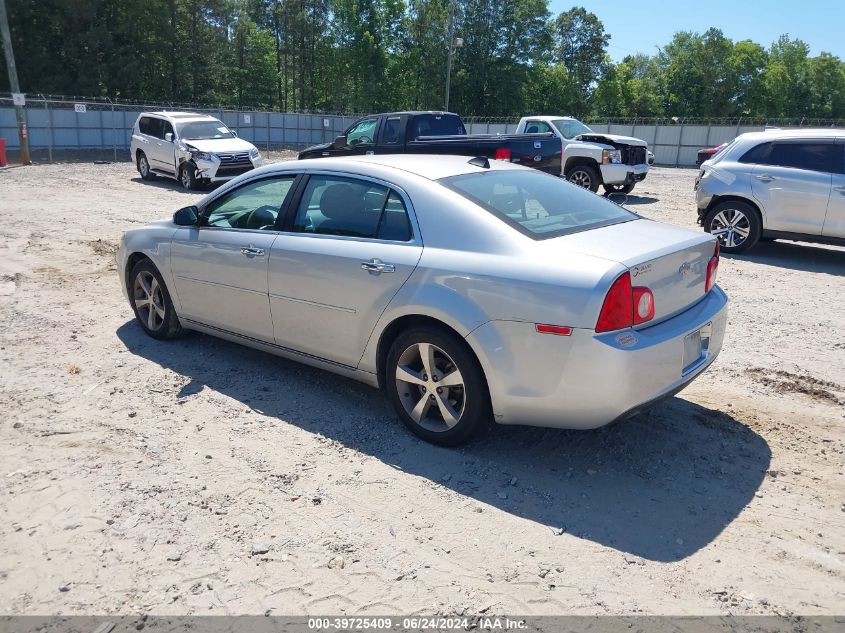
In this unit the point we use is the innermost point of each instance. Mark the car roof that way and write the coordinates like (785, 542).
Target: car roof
(196, 116)
(550, 117)
(775, 134)
(429, 166)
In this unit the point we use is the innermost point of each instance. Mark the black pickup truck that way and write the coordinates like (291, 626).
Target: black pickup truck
(439, 133)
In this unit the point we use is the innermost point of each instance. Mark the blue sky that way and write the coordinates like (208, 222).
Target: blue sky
(639, 26)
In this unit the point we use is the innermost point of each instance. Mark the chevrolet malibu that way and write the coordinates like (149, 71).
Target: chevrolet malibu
(465, 289)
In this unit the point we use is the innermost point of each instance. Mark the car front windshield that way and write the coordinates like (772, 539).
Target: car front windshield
(537, 204)
(200, 130)
(570, 128)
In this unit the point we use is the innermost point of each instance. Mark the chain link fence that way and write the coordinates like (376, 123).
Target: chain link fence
(66, 127)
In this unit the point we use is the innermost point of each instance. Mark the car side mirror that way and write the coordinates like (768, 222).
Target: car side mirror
(187, 216)
(168, 137)
(340, 142)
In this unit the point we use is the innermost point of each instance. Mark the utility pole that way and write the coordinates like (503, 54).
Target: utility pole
(451, 50)
(13, 82)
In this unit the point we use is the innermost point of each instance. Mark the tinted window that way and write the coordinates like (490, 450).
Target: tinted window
(438, 125)
(757, 155)
(332, 205)
(253, 206)
(392, 128)
(151, 126)
(167, 128)
(537, 204)
(363, 133)
(806, 155)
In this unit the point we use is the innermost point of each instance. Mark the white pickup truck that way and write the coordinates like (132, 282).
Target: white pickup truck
(591, 158)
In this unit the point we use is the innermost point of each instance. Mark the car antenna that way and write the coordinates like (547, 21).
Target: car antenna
(480, 161)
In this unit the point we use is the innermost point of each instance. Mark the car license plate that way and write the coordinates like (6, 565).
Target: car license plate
(696, 345)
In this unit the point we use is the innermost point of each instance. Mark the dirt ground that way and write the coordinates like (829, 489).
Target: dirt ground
(202, 477)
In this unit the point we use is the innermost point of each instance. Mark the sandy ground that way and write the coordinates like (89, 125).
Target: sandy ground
(202, 477)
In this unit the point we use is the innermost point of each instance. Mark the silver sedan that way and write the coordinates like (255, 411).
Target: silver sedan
(466, 289)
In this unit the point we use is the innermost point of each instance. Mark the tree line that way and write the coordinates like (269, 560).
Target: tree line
(377, 55)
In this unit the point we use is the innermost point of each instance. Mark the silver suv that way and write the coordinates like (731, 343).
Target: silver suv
(778, 184)
(196, 149)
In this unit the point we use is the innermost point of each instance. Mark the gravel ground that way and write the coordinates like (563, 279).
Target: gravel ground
(202, 477)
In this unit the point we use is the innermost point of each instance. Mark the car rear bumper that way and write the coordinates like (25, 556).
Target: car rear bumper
(616, 174)
(587, 380)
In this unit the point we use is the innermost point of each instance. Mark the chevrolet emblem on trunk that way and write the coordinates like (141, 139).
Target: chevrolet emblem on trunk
(685, 268)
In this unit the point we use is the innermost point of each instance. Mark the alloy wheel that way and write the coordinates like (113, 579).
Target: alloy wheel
(186, 178)
(430, 386)
(149, 301)
(582, 179)
(731, 227)
(143, 166)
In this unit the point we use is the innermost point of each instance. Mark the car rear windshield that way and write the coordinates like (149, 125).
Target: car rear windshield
(438, 125)
(199, 130)
(536, 204)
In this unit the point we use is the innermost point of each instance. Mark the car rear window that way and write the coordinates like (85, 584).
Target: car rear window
(438, 125)
(536, 204)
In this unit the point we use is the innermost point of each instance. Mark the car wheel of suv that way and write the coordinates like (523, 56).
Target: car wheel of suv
(151, 302)
(735, 224)
(620, 188)
(584, 176)
(143, 165)
(436, 386)
(188, 177)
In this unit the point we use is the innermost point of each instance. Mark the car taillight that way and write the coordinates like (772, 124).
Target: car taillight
(503, 153)
(625, 306)
(712, 269)
(618, 307)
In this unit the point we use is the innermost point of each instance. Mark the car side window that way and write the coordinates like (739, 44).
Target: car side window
(392, 128)
(805, 155)
(537, 127)
(333, 205)
(363, 133)
(167, 128)
(756, 155)
(151, 127)
(255, 205)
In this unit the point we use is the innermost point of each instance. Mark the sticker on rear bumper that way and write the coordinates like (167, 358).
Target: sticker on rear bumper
(626, 339)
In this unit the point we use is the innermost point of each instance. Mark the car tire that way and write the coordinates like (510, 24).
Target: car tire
(735, 224)
(143, 165)
(188, 177)
(151, 302)
(584, 176)
(620, 188)
(440, 413)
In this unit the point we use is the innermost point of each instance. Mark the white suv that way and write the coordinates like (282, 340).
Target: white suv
(778, 184)
(196, 149)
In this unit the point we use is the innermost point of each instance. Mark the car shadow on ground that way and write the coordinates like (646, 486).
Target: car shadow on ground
(816, 259)
(660, 486)
(626, 200)
(163, 182)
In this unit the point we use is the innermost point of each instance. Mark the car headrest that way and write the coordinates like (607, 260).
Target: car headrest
(340, 201)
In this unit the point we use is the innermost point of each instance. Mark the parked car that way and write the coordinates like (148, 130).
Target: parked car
(196, 149)
(783, 184)
(465, 288)
(591, 158)
(708, 153)
(438, 133)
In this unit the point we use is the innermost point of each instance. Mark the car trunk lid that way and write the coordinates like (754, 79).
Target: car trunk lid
(670, 261)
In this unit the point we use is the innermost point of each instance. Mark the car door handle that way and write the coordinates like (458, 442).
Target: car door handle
(765, 178)
(252, 251)
(378, 266)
